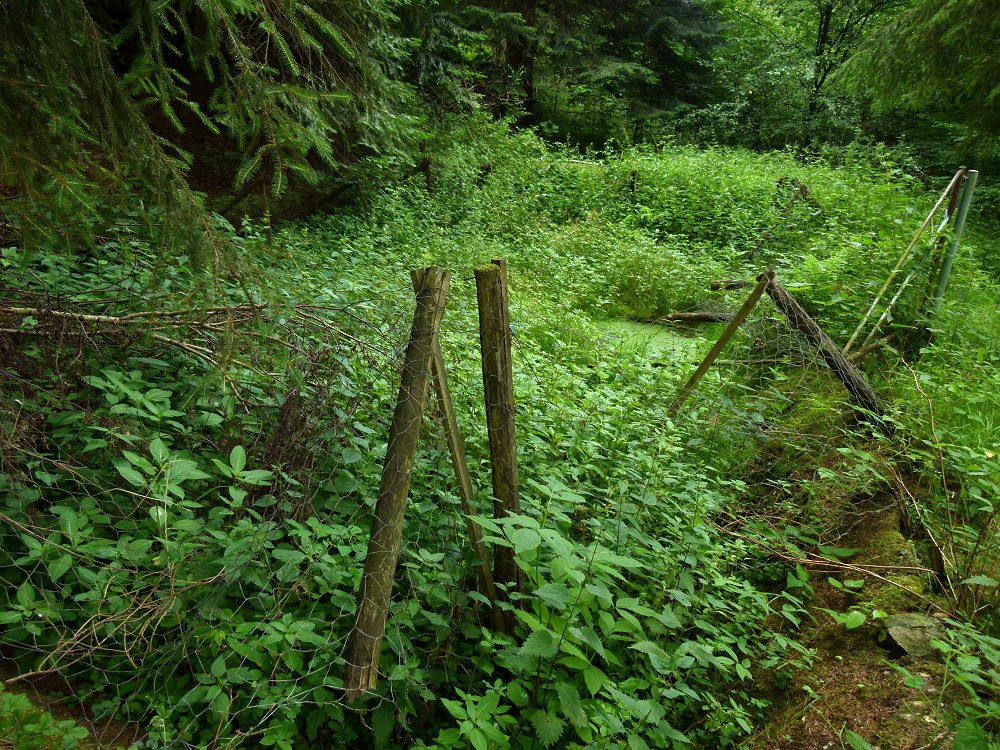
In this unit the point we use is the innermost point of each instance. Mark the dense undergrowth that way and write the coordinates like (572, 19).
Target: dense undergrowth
(186, 495)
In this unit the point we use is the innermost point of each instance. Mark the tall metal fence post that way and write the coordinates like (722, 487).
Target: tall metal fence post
(949, 257)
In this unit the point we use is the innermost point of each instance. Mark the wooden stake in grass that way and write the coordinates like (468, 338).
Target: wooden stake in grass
(720, 344)
(456, 448)
(498, 384)
(365, 640)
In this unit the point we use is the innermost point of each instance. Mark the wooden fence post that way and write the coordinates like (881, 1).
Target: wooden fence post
(720, 344)
(456, 448)
(498, 384)
(852, 378)
(365, 641)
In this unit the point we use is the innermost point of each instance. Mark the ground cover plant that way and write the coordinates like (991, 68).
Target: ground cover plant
(186, 492)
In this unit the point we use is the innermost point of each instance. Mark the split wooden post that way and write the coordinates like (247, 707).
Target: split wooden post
(365, 641)
(456, 448)
(968, 188)
(935, 252)
(852, 378)
(498, 385)
(738, 319)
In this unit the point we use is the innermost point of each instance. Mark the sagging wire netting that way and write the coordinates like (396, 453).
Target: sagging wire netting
(765, 370)
(770, 365)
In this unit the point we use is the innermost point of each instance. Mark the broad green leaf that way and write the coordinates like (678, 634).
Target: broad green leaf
(548, 727)
(657, 657)
(158, 450)
(569, 702)
(25, 595)
(450, 737)
(136, 460)
(680, 736)
(525, 540)
(517, 694)
(59, 566)
(288, 555)
(293, 659)
(219, 666)
(383, 722)
(238, 458)
(981, 581)
(350, 455)
(478, 740)
(455, 708)
(856, 741)
(554, 594)
(159, 515)
(854, 620)
(595, 679)
(182, 469)
(541, 644)
(129, 474)
(589, 636)
(969, 735)
(256, 476)
(69, 520)
(668, 618)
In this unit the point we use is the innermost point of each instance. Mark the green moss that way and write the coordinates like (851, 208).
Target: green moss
(889, 547)
(902, 594)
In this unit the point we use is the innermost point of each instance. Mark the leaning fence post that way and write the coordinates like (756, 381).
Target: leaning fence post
(737, 320)
(456, 448)
(365, 640)
(498, 385)
(852, 378)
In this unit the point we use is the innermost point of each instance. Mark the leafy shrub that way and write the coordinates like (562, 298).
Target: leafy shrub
(26, 727)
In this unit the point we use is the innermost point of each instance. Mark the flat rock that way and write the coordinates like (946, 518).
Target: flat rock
(910, 634)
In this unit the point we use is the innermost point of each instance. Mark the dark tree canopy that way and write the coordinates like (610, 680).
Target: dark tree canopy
(98, 92)
(938, 55)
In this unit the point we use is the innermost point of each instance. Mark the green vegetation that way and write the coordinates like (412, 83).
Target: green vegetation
(23, 725)
(210, 212)
(202, 510)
